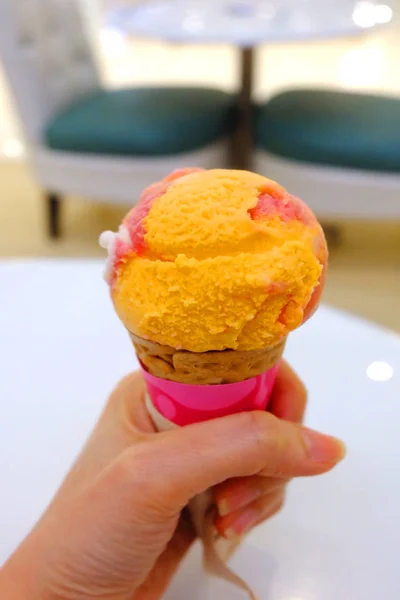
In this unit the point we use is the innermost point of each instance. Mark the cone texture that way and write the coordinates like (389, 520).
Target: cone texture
(205, 368)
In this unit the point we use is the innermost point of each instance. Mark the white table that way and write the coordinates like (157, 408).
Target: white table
(62, 350)
(246, 24)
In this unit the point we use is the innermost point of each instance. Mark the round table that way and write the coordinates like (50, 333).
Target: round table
(246, 24)
(62, 350)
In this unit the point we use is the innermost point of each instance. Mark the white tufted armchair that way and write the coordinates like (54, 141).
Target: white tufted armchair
(52, 75)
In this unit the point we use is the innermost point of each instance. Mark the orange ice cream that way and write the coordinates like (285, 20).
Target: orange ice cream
(211, 260)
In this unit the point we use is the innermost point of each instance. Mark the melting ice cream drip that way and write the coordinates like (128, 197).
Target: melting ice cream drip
(108, 241)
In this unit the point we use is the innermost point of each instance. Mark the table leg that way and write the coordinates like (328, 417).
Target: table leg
(243, 142)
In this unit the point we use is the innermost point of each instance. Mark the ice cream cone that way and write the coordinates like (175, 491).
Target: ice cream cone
(209, 273)
(205, 368)
(190, 387)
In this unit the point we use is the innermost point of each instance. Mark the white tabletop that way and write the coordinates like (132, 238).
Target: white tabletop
(247, 22)
(62, 350)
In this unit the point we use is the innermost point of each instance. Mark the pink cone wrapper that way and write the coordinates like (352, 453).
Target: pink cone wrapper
(184, 404)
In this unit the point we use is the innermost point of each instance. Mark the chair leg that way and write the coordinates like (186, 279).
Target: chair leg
(53, 214)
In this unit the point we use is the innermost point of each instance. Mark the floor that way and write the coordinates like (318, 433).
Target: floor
(364, 268)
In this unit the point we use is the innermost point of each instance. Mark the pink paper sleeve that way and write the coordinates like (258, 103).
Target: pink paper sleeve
(184, 404)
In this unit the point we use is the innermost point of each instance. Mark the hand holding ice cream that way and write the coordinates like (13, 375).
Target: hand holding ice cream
(212, 266)
(115, 528)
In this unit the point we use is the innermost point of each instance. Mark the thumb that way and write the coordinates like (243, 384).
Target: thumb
(174, 466)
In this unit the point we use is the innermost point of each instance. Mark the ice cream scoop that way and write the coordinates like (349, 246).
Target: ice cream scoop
(216, 260)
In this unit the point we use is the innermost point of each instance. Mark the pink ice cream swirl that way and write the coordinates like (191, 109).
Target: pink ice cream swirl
(129, 239)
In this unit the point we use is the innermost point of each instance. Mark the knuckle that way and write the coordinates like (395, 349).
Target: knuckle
(273, 484)
(277, 504)
(278, 507)
(256, 426)
(266, 433)
(273, 506)
(281, 502)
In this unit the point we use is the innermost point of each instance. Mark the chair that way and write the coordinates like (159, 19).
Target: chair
(340, 151)
(87, 140)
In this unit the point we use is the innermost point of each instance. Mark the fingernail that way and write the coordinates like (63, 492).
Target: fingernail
(243, 523)
(238, 499)
(323, 448)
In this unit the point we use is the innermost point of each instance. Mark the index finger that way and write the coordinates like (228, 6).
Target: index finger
(289, 396)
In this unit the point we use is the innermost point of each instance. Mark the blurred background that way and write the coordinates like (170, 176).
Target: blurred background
(73, 156)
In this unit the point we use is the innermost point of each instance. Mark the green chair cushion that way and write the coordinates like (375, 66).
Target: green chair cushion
(332, 128)
(143, 121)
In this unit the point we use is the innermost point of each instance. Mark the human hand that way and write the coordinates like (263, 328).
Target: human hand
(117, 528)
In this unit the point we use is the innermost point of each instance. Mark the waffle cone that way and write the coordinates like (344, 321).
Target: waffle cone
(205, 368)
